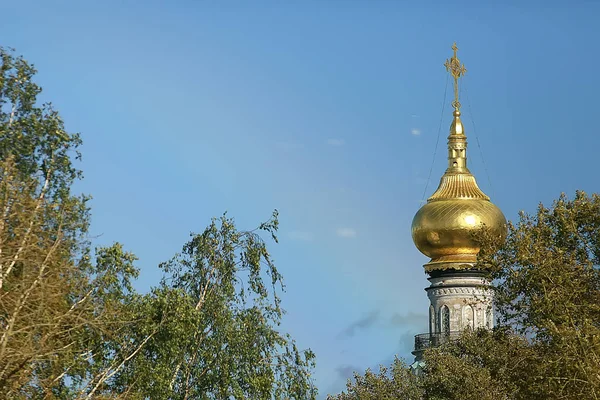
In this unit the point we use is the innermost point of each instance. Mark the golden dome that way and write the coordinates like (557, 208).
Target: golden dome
(443, 228)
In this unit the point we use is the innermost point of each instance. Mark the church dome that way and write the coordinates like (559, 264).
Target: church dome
(444, 228)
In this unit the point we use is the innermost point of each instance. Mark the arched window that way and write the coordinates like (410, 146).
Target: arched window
(445, 319)
(490, 319)
(483, 321)
(468, 317)
(431, 319)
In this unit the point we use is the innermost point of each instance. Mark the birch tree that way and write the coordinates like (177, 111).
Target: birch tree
(54, 300)
(71, 324)
(220, 305)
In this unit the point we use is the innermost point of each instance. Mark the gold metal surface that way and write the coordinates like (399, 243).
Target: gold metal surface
(443, 228)
(457, 70)
(458, 186)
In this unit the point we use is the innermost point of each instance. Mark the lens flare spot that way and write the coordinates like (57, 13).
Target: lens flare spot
(471, 220)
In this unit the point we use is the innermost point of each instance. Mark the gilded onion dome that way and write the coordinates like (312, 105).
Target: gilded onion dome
(443, 228)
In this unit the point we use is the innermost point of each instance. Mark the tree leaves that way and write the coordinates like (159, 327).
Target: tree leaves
(396, 382)
(72, 325)
(547, 342)
(218, 336)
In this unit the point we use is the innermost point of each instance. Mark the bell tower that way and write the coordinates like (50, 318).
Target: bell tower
(460, 294)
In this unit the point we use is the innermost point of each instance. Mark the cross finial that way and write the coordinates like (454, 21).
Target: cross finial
(457, 70)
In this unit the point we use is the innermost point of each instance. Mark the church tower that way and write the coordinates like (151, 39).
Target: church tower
(460, 295)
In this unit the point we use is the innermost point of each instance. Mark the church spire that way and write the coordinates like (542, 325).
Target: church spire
(457, 70)
(443, 228)
(457, 141)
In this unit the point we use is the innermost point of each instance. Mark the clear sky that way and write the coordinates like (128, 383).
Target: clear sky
(328, 111)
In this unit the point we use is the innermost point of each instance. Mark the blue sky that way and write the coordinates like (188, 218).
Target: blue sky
(327, 111)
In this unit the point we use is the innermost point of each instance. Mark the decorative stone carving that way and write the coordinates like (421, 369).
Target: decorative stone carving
(467, 299)
(460, 290)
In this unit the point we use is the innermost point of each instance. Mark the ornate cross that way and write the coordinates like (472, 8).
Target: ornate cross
(457, 70)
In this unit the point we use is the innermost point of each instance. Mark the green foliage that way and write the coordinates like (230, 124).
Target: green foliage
(219, 307)
(34, 135)
(43, 243)
(481, 364)
(550, 291)
(53, 301)
(396, 382)
(547, 343)
(71, 323)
